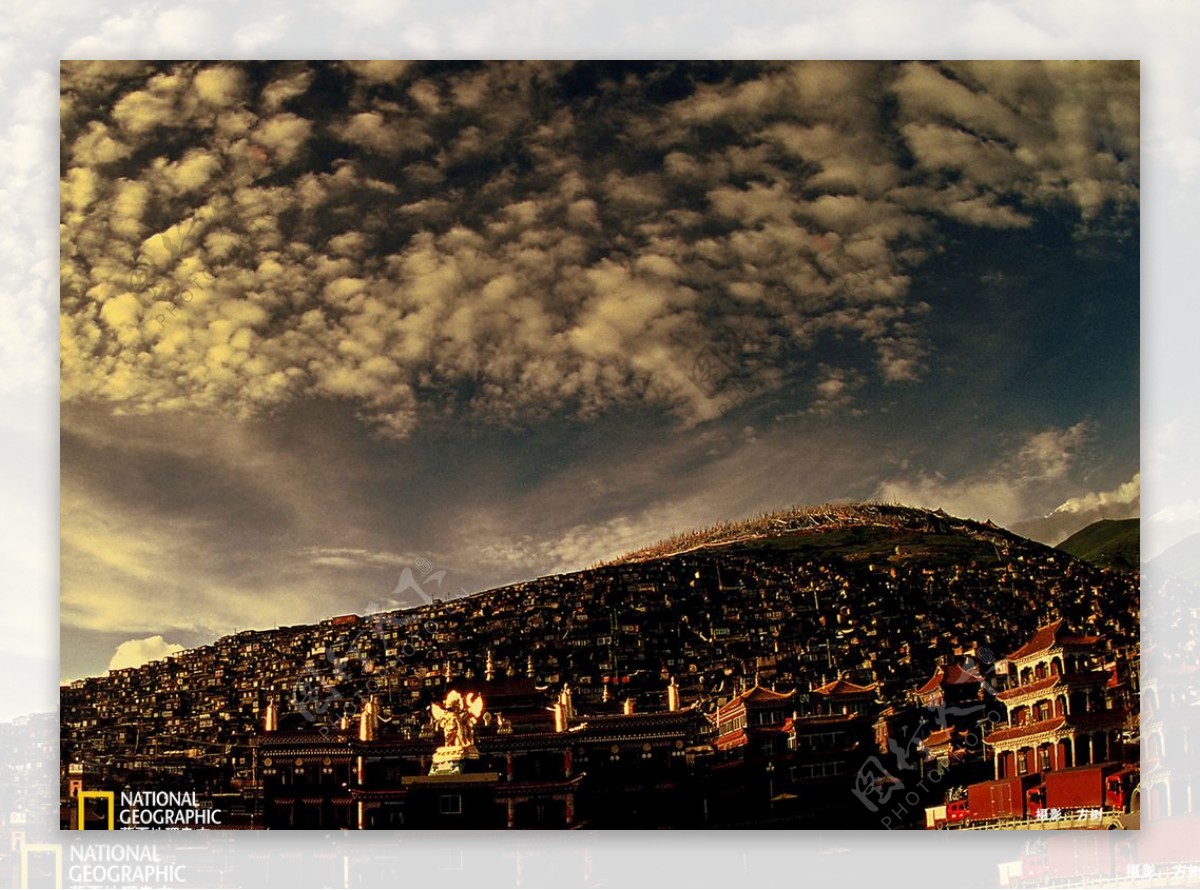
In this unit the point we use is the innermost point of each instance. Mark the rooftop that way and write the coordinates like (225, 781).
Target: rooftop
(952, 676)
(1049, 636)
(842, 686)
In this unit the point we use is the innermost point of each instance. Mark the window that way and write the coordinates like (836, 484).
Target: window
(822, 741)
(1022, 762)
(765, 718)
(450, 804)
(821, 770)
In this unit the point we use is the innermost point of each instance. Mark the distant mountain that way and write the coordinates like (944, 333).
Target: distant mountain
(1061, 524)
(1181, 560)
(1112, 543)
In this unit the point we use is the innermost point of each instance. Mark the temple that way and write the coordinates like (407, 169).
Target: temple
(1066, 707)
(517, 755)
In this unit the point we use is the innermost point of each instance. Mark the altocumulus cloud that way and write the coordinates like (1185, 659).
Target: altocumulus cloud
(516, 240)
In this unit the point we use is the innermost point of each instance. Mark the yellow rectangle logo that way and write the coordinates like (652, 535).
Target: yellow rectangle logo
(110, 796)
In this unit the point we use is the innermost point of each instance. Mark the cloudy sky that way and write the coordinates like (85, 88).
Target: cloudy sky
(326, 323)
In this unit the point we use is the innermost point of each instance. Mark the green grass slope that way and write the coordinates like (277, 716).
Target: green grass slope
(1111, 543)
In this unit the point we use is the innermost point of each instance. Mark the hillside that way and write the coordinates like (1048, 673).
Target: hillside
(1112, 543)
(878, 593)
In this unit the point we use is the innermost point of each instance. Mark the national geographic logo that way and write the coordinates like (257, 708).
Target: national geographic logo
(98, 865)
(108, 797)
(143, 811)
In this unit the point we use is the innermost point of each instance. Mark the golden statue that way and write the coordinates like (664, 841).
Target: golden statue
(456, 717)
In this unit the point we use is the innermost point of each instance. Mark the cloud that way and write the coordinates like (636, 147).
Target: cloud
(1182, 511)
(1004, 490)
(1121, 502)
(375, 72)
(1122, 499)
(135, 653)
(134, 555)
(1048, 455)
(466, 240)
(354, 557)
(283, 135)
(220, 85)
(1027, 133)
(161, 103)
(382, 133)
(835, 389)
(285, 88)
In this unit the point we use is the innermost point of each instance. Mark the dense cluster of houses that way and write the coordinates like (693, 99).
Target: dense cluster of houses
(875, 607)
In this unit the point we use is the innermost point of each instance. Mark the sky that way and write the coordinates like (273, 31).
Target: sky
(326, 326)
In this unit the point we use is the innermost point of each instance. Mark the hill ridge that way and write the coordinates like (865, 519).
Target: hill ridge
(794, 519)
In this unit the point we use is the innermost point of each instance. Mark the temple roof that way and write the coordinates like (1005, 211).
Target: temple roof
(761, 695)
(758, 695)
(937, 737)
(629, 722)
(1016, 732)
(817, 722)
(1047, 637)
(1048, 683)
(1083, 722)
(951, 676)
(842, 686)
